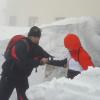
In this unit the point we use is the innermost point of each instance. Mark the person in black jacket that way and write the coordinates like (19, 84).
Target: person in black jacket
(23, 57)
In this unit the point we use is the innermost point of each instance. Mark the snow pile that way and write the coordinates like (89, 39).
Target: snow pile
(84, 87)
(72, 20)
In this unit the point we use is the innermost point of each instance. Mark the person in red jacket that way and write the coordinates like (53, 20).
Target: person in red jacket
(80, 60)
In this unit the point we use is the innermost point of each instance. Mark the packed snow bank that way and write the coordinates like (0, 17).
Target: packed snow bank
(84, 87)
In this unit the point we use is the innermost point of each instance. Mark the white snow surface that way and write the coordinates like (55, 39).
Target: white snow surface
(86, 85)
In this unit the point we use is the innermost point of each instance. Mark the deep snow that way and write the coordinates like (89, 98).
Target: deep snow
(83, 87)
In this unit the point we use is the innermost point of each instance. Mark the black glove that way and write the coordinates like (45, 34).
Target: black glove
(58, 62)
(64, 62)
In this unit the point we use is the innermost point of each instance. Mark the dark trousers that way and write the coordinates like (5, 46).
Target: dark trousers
(71, 73)
(7, 86)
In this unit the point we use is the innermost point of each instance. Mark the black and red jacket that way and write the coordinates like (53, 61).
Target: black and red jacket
(24, 56)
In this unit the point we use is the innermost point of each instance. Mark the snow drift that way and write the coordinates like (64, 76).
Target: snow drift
(84, 87)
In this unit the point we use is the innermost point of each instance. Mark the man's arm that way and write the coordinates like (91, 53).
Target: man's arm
(43, 53)
(60, 63)
(48, 59)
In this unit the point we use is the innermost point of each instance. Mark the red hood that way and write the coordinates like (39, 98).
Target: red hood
(72, 42)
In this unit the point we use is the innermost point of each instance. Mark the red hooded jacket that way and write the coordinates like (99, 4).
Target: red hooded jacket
(73, 44)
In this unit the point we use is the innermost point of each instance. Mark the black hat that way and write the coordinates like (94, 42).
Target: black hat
(35, 31)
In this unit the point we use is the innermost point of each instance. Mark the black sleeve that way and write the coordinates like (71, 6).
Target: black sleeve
(59, 63)
(43, 53)
(24, 61)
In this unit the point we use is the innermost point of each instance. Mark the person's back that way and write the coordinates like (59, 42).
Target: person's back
(78, 54)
